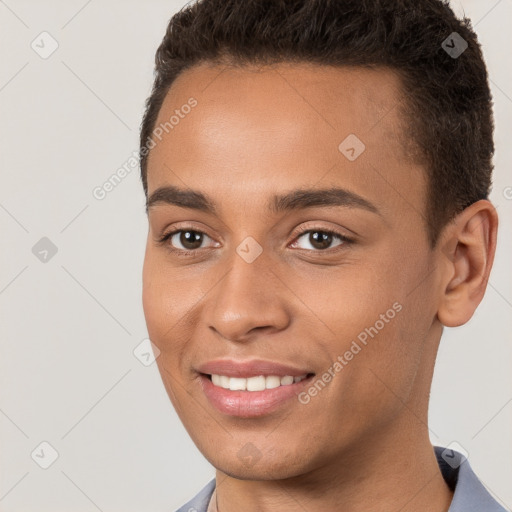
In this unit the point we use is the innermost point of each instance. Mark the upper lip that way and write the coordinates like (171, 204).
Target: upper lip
(250, 368)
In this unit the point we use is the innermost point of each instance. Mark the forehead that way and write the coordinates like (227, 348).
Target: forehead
(259, 128)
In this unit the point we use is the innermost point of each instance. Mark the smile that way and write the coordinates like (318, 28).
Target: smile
(258, 383)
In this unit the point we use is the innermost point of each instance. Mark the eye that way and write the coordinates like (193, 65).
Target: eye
(189, 239)
(321, 239)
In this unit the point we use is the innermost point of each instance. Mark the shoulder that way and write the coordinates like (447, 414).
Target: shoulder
(199, 503)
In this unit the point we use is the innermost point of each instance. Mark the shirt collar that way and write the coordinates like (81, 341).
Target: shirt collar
(469, 493)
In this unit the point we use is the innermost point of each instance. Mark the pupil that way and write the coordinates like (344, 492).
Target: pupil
(191, 237)
(320, 242)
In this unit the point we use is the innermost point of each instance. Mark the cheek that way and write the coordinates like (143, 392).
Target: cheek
(168, 304)
(162, 296)
(151, 293)
(372, 327)
(161, 305)
(348, 301)
(160, 301)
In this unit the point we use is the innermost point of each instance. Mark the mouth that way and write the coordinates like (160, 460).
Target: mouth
(255, 396)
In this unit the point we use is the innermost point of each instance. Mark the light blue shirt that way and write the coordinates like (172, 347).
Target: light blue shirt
(469, 493)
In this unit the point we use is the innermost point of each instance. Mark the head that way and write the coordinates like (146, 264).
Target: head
(317, 177)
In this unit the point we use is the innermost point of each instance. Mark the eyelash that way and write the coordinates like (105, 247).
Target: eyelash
(302, 231)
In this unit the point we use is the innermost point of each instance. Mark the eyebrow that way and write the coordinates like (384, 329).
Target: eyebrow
(292, 200)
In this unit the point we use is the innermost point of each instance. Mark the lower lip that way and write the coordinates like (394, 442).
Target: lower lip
(249, 404)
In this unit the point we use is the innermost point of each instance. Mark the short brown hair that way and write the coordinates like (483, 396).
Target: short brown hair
(449, 104)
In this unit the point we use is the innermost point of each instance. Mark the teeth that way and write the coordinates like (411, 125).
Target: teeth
(258, 383)
(272, 382)
(236, 384)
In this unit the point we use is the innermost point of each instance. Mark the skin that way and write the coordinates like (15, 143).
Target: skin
(363, 441)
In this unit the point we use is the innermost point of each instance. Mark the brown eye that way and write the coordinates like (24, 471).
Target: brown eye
(320, 239)
(186, 241)
(189, 240)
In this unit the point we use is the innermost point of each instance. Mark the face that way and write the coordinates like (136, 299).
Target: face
(285, 257)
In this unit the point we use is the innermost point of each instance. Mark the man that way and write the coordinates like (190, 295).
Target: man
(317, 176)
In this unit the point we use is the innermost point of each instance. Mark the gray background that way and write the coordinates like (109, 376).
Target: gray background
(69, 325)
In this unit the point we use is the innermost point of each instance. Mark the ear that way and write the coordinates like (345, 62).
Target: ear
(467, 252)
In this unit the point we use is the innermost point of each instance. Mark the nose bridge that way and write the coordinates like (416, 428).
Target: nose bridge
(247, 297)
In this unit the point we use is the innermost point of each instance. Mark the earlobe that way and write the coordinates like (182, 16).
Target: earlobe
(467, 253)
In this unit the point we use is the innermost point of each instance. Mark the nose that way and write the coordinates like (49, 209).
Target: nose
(249, 299)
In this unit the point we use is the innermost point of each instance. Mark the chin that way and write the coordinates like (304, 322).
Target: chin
(260, 467)
(260, 472)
